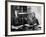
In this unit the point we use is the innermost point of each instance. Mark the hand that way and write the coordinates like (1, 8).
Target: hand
(27, 25)
(35, 24)
(13, 27)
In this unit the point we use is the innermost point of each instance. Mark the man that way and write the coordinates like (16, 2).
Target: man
(32, 21)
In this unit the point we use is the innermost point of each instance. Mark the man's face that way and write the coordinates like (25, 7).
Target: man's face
(32, 15)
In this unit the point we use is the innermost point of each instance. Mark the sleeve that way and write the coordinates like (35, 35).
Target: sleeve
(37, 22)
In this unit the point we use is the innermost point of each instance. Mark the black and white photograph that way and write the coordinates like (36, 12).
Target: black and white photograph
(25, 18)
(22, 19)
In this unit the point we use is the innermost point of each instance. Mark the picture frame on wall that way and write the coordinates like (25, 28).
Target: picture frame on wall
(24, 18)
